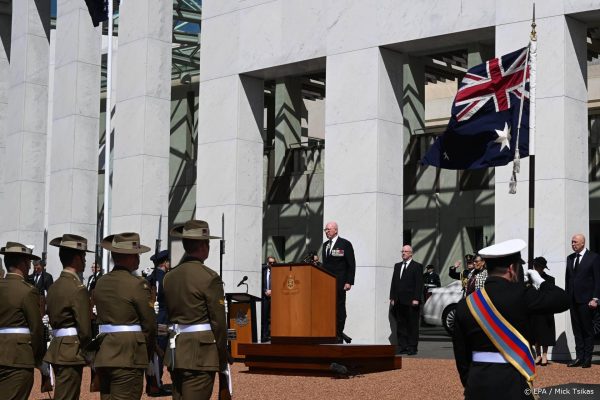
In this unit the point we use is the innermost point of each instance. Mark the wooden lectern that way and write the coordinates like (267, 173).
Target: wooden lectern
(303, 301)
(242, 318)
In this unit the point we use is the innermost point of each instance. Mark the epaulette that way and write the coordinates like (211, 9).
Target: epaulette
(29, 285)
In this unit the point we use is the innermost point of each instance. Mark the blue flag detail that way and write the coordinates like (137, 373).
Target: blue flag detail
(482, 131)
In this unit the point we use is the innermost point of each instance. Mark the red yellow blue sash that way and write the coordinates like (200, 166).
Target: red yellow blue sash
(509, 342)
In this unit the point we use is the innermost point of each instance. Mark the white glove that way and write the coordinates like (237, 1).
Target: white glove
(534, 277)
(94, 310)
(156, 307)
(45, 320)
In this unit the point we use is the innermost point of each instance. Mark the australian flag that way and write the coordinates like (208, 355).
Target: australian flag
(98, 10)
(482, 131)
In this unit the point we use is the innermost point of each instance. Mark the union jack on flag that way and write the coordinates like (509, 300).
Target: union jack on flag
(482, 131)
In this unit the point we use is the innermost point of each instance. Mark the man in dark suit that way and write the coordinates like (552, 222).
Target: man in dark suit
(40, 278)
(338, 258)
(582, 281)
(405, 297)
(265, 325)
(93, 278)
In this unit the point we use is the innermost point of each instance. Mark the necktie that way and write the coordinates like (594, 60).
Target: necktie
(576, 262)
(268, 279)
(37, 278)
(402, 269)
(329, 248)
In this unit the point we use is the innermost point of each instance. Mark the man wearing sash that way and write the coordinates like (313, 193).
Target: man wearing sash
(69, 312)
(493, 357)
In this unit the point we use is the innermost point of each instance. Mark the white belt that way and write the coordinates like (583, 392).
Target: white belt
(64, 332)
(109, 328)
(15, 330)
(181, 328)
(488, 357)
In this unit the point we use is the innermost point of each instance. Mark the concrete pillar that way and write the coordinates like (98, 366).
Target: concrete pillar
(74, 147)
(141, 150)
(23, 207)
(561, 181)
(4, 87)
(230, 174)
(288, 113)
(363, 177)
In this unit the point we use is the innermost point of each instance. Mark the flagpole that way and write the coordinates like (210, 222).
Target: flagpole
(107, 141)
(532, 88)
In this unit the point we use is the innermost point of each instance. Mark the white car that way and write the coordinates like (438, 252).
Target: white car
(440, 307)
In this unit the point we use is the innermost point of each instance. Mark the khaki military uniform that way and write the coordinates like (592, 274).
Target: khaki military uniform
(124, 299)
(20, 352)
(194, 295)
(68, 306)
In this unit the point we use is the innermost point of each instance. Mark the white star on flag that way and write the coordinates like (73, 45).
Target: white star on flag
(503, 137)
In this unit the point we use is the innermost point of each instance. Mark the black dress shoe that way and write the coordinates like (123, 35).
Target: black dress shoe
(576, 363)
(411, 352)
(586, 364)
(161, 392)
(401, 351)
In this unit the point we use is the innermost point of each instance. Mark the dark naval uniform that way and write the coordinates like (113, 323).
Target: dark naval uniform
(195, 301)
(68, 305)
(516, 302)
(123, 300)
(19, 352)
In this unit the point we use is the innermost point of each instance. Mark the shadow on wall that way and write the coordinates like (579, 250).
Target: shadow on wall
(393, 338)
(560, 351)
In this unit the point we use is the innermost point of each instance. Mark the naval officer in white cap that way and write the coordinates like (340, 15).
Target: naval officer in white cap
(487, 371)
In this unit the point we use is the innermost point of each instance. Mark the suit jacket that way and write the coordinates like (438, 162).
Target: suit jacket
(68, 306)
(43, 283)
(516, 302)
(92, 280)
(340, 261)
(410, 287)
(194, 295)
(20, 308)
(583, 284)
(264, 282)
(124, 299)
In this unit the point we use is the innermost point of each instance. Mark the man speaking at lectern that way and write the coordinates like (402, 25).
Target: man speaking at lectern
(338, 258)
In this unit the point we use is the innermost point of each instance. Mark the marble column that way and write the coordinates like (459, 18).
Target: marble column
(140, 190)
(75, 131)
(5, 27)
(363, 177)
(25, 162)
(230, 174)
(561, 146)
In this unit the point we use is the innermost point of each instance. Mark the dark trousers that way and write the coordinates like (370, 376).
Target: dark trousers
(340, 311)
(581, 320)
(121, 383)
(192, 385)
(67, 380)
(407, 326)
(265, 319)
(15, 383)
(491, 381)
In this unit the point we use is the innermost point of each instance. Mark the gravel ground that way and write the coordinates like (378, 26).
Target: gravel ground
(418, 379)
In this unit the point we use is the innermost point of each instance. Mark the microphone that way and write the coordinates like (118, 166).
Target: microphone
(244, 279)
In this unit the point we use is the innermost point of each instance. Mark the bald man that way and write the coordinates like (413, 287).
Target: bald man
(582, 282)
(406, 293)
(338, 258)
